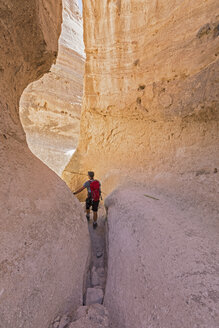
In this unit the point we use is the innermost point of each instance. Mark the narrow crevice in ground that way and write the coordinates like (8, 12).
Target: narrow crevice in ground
(96, 277)
(92, 314)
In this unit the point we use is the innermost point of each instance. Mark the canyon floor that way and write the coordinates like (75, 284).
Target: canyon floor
(92, 314)
(162, 264)
(162, 261)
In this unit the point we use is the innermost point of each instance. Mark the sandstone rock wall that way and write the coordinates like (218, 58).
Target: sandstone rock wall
(150, 124)
(42, 232)
(151, 92)
(50, 108)
(162, 263)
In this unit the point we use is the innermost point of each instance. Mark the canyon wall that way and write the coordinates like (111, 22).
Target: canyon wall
(50, 108)
(43, 233)
(151, 92)
(150, 125)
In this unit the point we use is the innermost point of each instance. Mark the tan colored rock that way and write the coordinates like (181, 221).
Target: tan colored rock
(65, 320)
(95, 279)
(94, 295)
(94, 316)
(150, 89)
(43, 232)
(50, 108)
(150, 118)
(162, 260)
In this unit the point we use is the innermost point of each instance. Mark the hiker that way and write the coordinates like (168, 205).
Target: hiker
(93, 197)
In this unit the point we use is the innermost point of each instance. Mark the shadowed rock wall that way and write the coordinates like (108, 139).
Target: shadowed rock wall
(50, 108)
(40, 220)
(151, 93)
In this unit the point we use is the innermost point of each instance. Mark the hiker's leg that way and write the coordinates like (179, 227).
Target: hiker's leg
(88, 205)
(95, 217)
(95, 206)
(88, 211)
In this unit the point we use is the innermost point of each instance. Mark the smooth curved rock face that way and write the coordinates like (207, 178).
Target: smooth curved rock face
(43, 234)
(50, 108)
(151, 93)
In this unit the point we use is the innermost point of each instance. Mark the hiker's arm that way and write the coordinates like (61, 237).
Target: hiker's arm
(79, 190)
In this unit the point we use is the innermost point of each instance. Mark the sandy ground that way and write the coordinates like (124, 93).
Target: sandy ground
(162, 262)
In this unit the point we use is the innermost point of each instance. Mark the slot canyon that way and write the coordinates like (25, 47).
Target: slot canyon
(130, 92)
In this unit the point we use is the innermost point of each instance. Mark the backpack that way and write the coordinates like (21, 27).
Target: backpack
(95, 190)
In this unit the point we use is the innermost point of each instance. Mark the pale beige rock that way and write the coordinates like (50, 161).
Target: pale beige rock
(150, 117)
(162, 261)
(43, 233)
(94, 295)
(65, 320)
(94, 316)
(150, 89)
(56, 325)
(50, 108)
(95, 277)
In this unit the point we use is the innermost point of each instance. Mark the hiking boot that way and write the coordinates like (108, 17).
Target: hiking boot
(94, 225)
(88, 217)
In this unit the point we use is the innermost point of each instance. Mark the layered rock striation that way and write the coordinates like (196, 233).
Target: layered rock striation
(40, 219)
(50, 108)
(150, 124)
(151, 93)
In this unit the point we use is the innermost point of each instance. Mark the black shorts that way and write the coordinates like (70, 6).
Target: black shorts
(93, 203)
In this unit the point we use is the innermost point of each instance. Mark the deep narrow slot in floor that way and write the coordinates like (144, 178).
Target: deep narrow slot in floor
(96, 278)
(92, 314)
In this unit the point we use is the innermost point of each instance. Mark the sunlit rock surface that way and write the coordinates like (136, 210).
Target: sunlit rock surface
(151, 92)
(43, 233)
(50, 108)
(150, 124)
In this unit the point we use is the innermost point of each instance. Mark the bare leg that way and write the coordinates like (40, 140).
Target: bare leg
(88, 212)
(95, 217)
